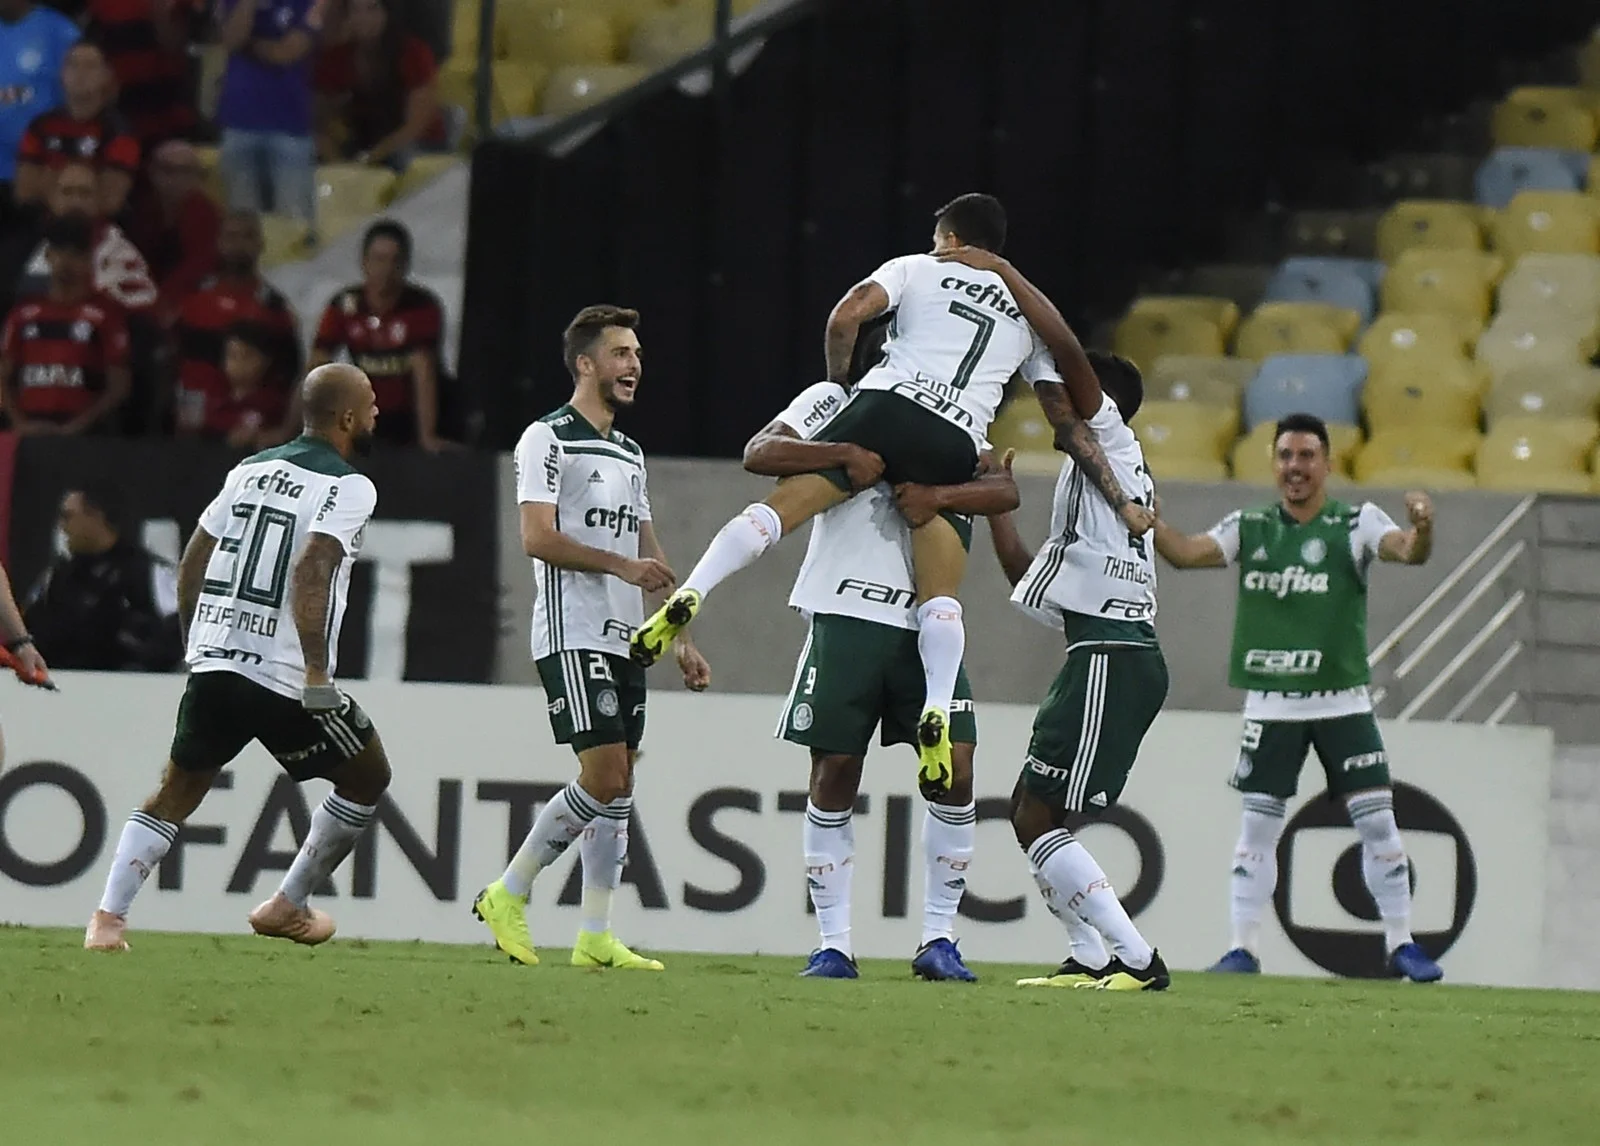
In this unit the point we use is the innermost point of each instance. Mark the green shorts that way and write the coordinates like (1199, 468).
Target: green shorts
(221, 712)
(1272, 752)
(1084, 747)
(857, 675)
(594, 698)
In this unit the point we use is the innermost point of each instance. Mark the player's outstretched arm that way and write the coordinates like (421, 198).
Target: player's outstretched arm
(1188, 550)
(191, 572)
(992, 491)
(864, 302)
(1009, 547)
(1078, 441)
(21, 655)
(541, 539)
(1411, 546)
(691, 662)
(779, 451)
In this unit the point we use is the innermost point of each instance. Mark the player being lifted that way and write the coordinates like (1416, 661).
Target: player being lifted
(586, 523)
(859, 668)
(262, 589)
(956, 340)
(1093, 580)
(1300, 652)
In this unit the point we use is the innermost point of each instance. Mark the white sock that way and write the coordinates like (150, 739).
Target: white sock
(1255, 867)
(947, 839)
(144, 842)
(941, 641)
(1088, 948)
(335, 827)
(736, 545)
(603, 851)
(1384, 863)
(830, 845)
(560, 822)
(1075, 883)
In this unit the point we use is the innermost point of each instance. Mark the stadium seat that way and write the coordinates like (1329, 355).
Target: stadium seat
(1252, 454)
(1444, 392)
(1431, 478)
(1221, 422)
(211, 174)
(1451, 282)
(422, 170)
(1327, 385)
(1514, 341)
(1571, 391)
(667, 36)
(1241, 282)
(1222, 312)
(1350, 234)
(1183, 440)
(1398, 337)
(626, 15)
(1296, 328)
(1421, 175)
(519, 87)
(558, 35)
(1426, 447)
(465, 17)
(1428, 223)
(1021, 425)
(1557, 222)
(573, 89)
(1145, 336)
(1512, 169)
(1540, 282)
(1199, 379)
(283, 240)
(1533, 455)
(1346, 283)
(1528, 121)
(1589, 62)
(348, 194)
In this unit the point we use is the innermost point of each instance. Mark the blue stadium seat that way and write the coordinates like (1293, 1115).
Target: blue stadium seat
(1347, 283)
(1512, 169)
(1328, 385)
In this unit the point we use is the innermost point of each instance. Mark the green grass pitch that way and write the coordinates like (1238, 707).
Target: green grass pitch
(230, 1041)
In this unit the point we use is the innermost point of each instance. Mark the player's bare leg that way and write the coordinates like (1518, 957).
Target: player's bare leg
(145, 839)
(358, 784)
(939, 562)
(738, 544)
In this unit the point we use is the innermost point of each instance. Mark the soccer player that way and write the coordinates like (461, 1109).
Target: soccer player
(586, 524)
(957, 339)
(859, 668)
(17, 650)
(262, 590)
(1300, 651)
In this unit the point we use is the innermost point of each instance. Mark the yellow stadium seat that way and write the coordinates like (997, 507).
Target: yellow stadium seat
(1144, 336)
(626, 15)
(1565, 96)
(211, 174)
(1221, 421)
(1571, 391)
(1529, 121)
(1430, 478)
(1542, 281)
(422, 170)
(1451, 282)
(1428, 223)
(1193, 378)
(1554, 222)
(667, 36)
(283, 240)
(558, 36)
(740, 7)
(1181, 440)
(1430, 447)
(1519, 340)
(1021, 425)
(1223, 312)
(1589, 62)
(1533, 454)
(573, 89)
(1296, 328)
(1252, 454)
(514, 89)
(1444, 392)
(1402, 337)
(464, 18)
(349, 194)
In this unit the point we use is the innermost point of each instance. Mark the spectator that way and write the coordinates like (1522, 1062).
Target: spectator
(64, 357)
(250, 415)
(268, 157)
(84, 129)
(146, 43)
(391, 329)
(108, 604)
(377, 96)
(33, 43)
(237, 294)
(174, 224)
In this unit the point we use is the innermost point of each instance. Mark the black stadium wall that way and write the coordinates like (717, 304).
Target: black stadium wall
(1120, 133)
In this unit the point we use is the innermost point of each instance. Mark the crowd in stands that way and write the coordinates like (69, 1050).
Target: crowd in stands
(131, 284)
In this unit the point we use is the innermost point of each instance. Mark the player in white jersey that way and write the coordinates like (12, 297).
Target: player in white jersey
(957, 338)
(858, 670)
(262, 589)
(585, 509)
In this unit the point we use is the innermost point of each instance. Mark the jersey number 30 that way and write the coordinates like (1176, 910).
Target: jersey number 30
(253, 564)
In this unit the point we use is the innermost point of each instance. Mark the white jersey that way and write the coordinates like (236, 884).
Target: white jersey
(956, 339)
(1091, 565)
(1372, 525)
(269, 505)
(597, 485)
(858, 562)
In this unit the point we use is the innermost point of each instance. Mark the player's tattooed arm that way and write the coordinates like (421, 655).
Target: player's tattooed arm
(191, 573)
(863, 302)
(1077, 439)
(778, 451)
(312, 595)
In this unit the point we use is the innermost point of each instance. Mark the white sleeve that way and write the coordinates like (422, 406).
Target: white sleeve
(215, 517)
(813, 408)
(1226, 534)
(1039, 366)
(164, 587)
(538, 464)
(1372, 526)
(892, 278)
(644, 495)
(346, 510)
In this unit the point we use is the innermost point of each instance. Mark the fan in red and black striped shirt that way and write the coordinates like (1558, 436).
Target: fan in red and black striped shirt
(64, 357)
(146, 42)
(84, 129)
(391, 328)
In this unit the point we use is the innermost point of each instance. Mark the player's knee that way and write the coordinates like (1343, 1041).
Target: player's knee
(1031, 817)
(835, 780)
(179, 794)
(960, 793)
(605, 773)
(365, 777)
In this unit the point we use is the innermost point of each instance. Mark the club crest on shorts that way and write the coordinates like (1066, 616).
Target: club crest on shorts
(802, 717)
(1313, 551)
(1241, 771)
(606, 702)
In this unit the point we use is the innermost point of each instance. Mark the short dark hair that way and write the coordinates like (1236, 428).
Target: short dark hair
(978, 220)
(105, 499)
(389, 229)
(258, 336)
(1120, 379)
(1302, 424)
(72, 232)
(586, 327)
